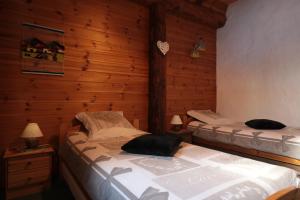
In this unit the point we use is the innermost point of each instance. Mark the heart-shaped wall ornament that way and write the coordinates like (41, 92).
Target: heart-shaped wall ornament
(163, 47)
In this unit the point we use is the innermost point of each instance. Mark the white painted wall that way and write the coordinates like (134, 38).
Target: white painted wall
(258, 61)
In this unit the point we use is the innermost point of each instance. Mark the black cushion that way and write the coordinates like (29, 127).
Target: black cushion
(149, 144)
(265, 124)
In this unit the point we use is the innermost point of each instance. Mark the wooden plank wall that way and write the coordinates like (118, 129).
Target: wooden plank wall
(106, 64)
(191, 82)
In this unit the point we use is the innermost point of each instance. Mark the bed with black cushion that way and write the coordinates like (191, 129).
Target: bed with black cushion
(103, 169)
(279, 142)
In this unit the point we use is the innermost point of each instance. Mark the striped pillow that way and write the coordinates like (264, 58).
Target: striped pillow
(95, 121)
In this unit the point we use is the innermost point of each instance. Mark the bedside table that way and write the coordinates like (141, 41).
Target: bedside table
(185, 134)
(27, 172)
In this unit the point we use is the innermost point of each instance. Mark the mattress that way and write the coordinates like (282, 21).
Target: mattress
(106, 172)
(284, 142)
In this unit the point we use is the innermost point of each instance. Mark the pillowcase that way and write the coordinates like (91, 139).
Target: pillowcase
(196, 123)
(265, 124)
(116, 132)
(159, 145)
(209, 117)
(95, 121)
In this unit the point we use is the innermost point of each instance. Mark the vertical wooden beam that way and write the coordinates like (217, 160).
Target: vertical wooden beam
(157, 70)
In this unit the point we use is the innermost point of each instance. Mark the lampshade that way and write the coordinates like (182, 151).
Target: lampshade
(32, 130)
(176, 120)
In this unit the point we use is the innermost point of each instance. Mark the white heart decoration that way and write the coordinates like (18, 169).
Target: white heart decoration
(163, 47)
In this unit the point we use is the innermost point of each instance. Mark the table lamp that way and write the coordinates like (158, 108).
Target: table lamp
(31, 134)
(176, 123)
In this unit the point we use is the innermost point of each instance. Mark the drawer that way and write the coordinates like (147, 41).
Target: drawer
(15, 180)
(21, 164)
(21, 192)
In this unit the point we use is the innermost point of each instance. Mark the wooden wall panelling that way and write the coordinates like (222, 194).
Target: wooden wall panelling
(191, 82)
(106, 64)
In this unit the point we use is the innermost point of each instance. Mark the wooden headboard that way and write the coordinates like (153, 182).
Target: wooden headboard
(66, 127)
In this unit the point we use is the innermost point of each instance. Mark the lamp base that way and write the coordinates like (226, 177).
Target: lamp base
(31, 143)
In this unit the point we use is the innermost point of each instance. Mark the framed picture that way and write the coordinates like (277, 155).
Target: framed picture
(42, 50)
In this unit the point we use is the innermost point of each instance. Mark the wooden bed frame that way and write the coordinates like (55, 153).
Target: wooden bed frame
(235, 149)
(290, 193)
(65, 173)
(252, 153)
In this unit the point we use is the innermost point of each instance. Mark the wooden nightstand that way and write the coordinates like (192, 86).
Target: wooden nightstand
(27, 172)
(185, 134)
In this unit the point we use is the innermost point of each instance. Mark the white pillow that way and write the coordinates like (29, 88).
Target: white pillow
(116, 132)
(209, 117)
(95, 121)
(196, 123)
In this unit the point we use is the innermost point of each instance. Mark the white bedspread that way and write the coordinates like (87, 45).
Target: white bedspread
(285, 142)
(195, 173)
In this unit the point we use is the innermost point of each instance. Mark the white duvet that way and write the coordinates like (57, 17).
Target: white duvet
(195, 173)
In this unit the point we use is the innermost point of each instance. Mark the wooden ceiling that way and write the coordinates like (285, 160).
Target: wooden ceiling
(211, 1)
(217, 5)
(228, 1)
(211, 12)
